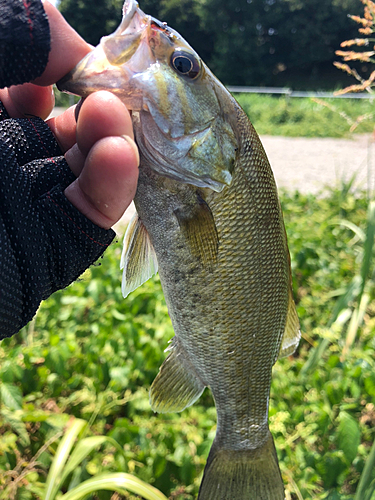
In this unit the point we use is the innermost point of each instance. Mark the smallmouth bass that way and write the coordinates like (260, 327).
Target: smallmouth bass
(209, 219)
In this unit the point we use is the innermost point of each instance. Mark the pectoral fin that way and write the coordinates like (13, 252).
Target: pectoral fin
(199, 230)
(138, 259)
(292, 332)
(177, 385)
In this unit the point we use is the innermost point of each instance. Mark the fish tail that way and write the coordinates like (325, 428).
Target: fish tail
(242, 475)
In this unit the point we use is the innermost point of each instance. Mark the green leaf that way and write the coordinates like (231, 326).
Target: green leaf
(368, 245)
(353, 227)
(348, 436)
(314, 357)
(366, 485)
(333, 495)
(83, 448)
(14, 420)
(120, 482)
(346, 299)
(36, 488)
(55, 475)
(356, 321)
(11, 396)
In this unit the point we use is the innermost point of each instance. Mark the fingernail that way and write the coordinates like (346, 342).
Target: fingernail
(133, 145)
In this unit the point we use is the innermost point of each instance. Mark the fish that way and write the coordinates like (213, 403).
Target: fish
(208, 219)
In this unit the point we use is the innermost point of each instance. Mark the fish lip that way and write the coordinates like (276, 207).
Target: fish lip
(84, 88)
(63, 83)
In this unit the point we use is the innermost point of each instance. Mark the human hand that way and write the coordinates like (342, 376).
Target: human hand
(106, 164)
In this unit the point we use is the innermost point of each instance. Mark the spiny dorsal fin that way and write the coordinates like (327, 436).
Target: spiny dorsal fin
(177, 385)
(138, 259)
(292, 333)
(200, 232)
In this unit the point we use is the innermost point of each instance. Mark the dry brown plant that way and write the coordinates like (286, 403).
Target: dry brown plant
(367, 28)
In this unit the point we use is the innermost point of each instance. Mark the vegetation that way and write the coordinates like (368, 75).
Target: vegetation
(308, 117)
(87, 360)
(245, 42)
(364, 55)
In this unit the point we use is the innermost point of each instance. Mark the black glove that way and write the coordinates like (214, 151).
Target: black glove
(24, 41)
(45, 242)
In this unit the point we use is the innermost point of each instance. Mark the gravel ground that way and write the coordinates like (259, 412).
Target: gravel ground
(309, 165)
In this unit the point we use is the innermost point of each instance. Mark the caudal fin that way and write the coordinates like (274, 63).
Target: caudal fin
(242, 475)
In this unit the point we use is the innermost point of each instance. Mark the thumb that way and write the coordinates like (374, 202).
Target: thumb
(108, 181)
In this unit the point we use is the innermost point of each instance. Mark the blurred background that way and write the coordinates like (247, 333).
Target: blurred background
(244, 42)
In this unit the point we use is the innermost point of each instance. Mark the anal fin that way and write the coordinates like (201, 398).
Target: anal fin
(177, 385)
(138, 259)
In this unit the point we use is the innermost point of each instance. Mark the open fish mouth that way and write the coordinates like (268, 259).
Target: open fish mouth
(107, 68)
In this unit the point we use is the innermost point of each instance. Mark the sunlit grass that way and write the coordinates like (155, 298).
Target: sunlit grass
(308, 117)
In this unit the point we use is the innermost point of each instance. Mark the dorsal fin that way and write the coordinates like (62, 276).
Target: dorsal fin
(138, 259)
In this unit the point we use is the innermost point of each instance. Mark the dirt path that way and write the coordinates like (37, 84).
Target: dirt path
(309, 165)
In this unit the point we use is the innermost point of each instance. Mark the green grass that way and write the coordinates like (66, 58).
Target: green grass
(92, 355)
(303, 117)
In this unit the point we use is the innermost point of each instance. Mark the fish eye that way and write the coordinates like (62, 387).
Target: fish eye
(185, 64)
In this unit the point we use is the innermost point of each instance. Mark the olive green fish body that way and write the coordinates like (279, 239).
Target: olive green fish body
(228, 304)
(209, 219)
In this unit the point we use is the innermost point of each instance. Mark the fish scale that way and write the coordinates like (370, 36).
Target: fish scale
(208, 217)
(239, 296)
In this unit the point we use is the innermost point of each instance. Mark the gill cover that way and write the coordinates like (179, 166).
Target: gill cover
(183, 117)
